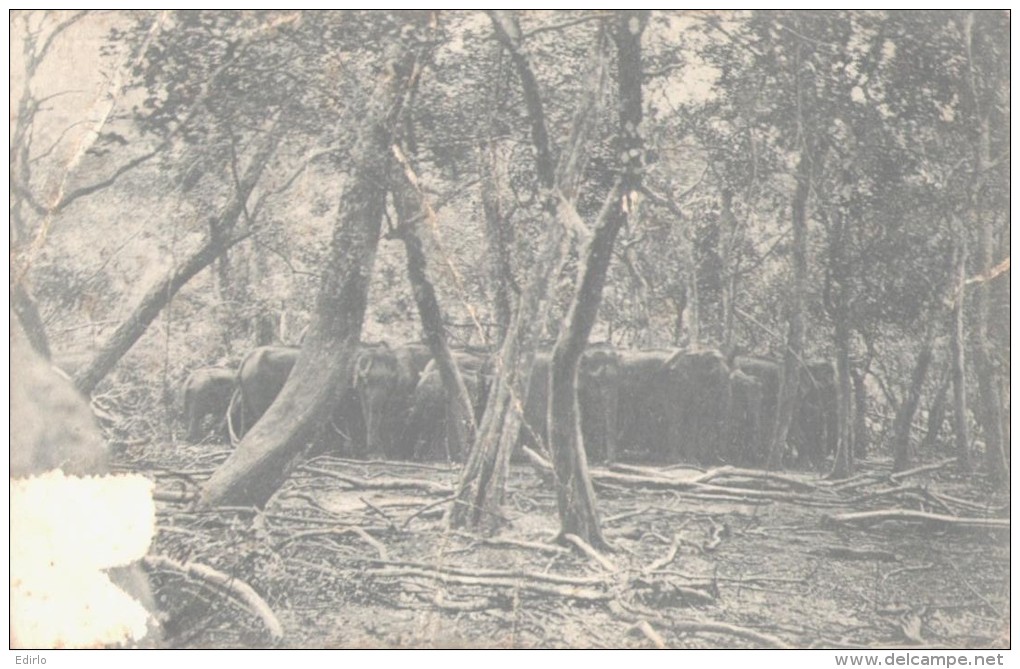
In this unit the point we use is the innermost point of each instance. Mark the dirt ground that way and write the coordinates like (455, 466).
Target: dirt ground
(687, 571)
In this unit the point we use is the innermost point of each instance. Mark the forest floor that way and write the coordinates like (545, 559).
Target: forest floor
(354, 555)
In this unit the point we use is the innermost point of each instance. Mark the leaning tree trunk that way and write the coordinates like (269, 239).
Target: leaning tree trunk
(259, 465)
(480, 491)
(903, 452)
(160, 294)
(575, 495)
(961, 431)
(25, 308)
(412, 207)
(498, 238)
(498, 233)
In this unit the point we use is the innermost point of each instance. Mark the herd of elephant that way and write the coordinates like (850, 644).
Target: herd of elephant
(659, 406)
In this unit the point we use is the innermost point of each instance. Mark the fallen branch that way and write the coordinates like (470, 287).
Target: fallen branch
(896, 477)
(670, 555)
(339, 532)
(590, 551)
(626, 514)
(620, 610)
(432, 505)
(902, 570)
(385, 516)
(659, 482)
(756, 474)
(516, 582)
(558, 579)
(871, 517)
(239, 589)
(730, 630)
(175, 496)
(517, 543)
(848, 553)
(646, 629)
(388, 463)
(429, 487)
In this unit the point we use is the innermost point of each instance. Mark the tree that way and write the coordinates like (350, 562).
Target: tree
(574, 493)
(258, 466)
(479, 493)
(411, 207)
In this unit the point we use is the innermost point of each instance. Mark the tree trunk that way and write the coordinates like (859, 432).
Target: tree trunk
(411, 207)
(498, 238)
(937, 413)
(727, 244)
(693, 302)
(789, 386)
(259, 465)
(980, 102)
(845, 449)
(480, 491)
(28, 315)
(575, 495)
(861, 435)
(903, 452)
(988, 387)
(160, 294)
(961, 431)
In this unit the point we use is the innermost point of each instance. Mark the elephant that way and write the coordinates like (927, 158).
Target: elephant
(384, 381)
(53, 428)
(745, 444)
(642, 408)
(261, 376)
(813, 429)
(428, 434)
(597, 395)
(673, 405)
(207, 392)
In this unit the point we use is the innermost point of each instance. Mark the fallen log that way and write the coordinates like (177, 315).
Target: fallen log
(871, 517)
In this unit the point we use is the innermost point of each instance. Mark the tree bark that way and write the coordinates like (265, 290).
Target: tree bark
(727, 244)
(845, 448)
(988, 387)
(937, 413)
(412, 207)
(498, 237)
(575, 495)
(961, 431)
(160, 294)
(862, 439)
(903, 452)
(480, 491)
(980, 104)
(259, 465)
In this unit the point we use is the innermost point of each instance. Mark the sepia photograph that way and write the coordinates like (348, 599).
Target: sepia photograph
(510, 329)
